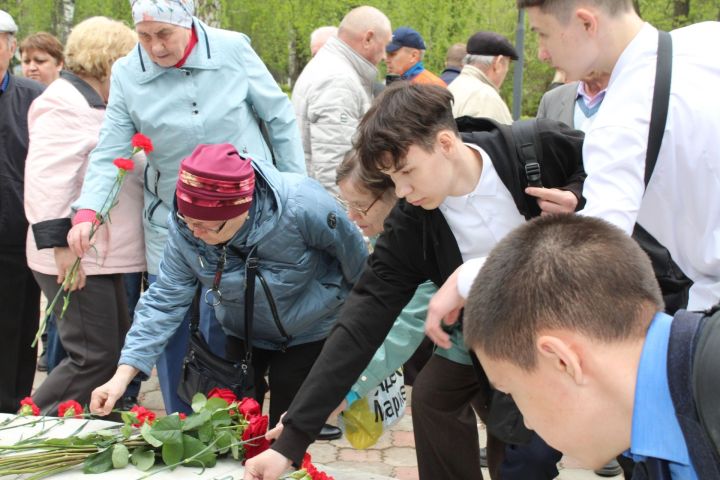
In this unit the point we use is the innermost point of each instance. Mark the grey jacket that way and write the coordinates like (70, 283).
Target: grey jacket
(330, 97)
(559, 104)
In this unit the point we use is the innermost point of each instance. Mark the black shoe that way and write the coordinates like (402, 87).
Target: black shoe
(329, 432)
(42, 365)
(483, 457)
(126, 403)
(611, 469)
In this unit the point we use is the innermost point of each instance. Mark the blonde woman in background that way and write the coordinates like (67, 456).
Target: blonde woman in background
(64, 123)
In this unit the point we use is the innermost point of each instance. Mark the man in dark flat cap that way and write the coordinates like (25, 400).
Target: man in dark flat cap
(476, 89)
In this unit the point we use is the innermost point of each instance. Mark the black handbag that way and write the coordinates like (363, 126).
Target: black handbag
(203, 370)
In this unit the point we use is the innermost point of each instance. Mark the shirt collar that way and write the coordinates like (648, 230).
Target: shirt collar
(413, 71)
(655, 430)
(5, 82)
(486, 186)
(646, 40)
(590, 102)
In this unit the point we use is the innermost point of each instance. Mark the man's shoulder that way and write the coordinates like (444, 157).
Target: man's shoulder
(27, 86)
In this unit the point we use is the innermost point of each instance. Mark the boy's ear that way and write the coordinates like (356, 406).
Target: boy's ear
(561, 356)
(588, 19)
(446, 139)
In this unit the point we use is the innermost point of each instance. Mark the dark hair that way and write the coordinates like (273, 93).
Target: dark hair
(373, 182)
(45, 42)
(563, 8)
(404, 114)
(559, 272)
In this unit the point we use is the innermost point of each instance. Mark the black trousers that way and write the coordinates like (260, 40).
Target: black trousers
(444, 398)
(92, 332)
(286, 372)
(19, 318)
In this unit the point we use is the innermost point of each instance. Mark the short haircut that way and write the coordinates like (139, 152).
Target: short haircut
(403, 115)
(45, 42)
(563, 8)
(566, 272)
(455, 54)
(372, 182)
(95, 44)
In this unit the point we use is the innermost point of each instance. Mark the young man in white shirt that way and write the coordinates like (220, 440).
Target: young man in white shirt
(459, 195)
(681, 205)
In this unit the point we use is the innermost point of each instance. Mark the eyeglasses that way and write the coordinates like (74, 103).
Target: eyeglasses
(196, 226)
(356, 209)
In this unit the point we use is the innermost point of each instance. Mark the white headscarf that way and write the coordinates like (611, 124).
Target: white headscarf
(176, 12)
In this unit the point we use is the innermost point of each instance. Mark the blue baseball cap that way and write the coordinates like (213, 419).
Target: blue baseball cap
(405, 37)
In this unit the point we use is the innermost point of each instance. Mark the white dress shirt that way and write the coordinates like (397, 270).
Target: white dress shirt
(480, 219)
(681, 207)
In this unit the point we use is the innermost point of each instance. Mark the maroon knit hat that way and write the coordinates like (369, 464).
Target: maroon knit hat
(215, 183)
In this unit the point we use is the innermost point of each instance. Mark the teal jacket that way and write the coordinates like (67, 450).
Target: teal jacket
(404, 338)
(308, 251)
(213, 98)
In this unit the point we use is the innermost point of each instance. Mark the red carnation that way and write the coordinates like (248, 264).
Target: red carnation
(311, 470)
(142, 142)
(124, 164)
(143, 415)
(70, 409)
(257, 427)
(28, 407)
(182, 416)
(224, 393)
(249, 408)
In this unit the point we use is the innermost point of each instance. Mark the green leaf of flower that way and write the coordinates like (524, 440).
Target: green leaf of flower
(198, 402)
(98, 462)
(235, 451)
(216, 403)
(168, 429)
(172, 451)
(206, 432)
(193, 446)
(126, 431)
(224, 441)
(146, 433)
(143, 459)
(120, 456)
(221, 418)
(195, 420)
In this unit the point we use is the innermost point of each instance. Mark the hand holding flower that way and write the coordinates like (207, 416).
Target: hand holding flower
(105, 396)
(64, 260)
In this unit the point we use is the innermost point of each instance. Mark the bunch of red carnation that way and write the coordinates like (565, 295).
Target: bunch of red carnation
(249, 409)
(311, 470)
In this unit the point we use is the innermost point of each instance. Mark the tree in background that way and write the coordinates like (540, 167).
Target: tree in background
(280, 29)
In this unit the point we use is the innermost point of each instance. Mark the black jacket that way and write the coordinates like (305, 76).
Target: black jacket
(416, 245)
(14, 105)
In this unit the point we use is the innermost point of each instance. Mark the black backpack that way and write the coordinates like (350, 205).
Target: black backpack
(533, 152)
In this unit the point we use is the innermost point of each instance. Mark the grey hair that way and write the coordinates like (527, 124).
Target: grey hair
(481, 61)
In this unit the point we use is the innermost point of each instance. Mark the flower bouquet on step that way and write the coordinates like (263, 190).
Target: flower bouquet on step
(139, 143)
(220, 425)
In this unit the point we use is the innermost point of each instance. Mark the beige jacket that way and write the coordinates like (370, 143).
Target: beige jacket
(63, 131)
(475, 96)
(330, 97)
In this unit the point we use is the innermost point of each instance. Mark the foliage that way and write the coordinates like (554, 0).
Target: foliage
(280, 29)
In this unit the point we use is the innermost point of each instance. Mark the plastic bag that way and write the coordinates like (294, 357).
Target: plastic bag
(368, 417)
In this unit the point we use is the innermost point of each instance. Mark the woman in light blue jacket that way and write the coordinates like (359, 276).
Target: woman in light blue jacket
(184, 84)
(308, 254)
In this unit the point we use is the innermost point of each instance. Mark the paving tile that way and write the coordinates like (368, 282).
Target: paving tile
(360, 456)
(400, 456)
(406, 473)
(403, 439)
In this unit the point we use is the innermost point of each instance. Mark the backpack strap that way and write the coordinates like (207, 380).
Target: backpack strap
(684, 337)
(661, 101)
(527, 147)
(706, 376)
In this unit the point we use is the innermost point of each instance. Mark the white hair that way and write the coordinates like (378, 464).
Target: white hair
(480, 61)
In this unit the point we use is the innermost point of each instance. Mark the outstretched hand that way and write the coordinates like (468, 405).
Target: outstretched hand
(553, 200)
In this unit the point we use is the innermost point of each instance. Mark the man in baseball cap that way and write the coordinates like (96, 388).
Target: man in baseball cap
(404, 57)
(476, 89)
(18, 290)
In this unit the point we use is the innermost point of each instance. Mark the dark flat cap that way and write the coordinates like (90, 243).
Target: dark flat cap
(492, 44)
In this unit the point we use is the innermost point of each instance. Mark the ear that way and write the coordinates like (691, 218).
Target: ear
(497, 62)
(446, 140)
(368, 37)
(561, 356)
(588, 19)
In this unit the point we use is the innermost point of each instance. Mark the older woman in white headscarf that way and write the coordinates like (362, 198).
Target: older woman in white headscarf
(184, 84)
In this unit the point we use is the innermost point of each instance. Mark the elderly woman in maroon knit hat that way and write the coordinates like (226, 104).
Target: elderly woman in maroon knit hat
(230, 210)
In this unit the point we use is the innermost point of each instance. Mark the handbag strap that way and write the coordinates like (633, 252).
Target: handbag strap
(661, 100)
(251, 269)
